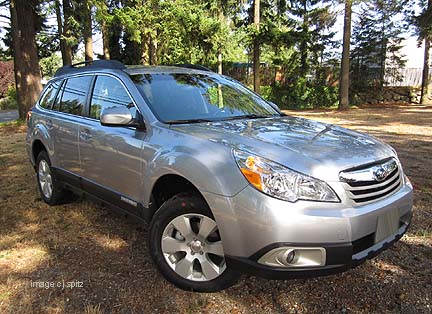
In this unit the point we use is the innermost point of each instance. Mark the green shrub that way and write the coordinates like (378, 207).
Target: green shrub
(10, 101)
(301, 95)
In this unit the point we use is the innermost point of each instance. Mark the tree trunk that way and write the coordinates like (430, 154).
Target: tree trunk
(219, 55)
(344, 81)
(425, 76)
(105, 40)
(256, 48)
(304, 42)
(383, 54)
(220, 61)
(67, 52)
(60, 29)
(87, 31)
(144, 47)
(26, 61)
(426, 63)
(153, 44)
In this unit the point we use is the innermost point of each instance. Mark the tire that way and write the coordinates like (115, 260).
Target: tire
(50, 188)
(192, 260)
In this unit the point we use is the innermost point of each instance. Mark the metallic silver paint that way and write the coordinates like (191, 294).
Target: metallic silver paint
(131, 161)
(116, 116)
(252, 220)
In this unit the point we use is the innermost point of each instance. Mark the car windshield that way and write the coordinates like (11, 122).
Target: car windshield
(185, 98)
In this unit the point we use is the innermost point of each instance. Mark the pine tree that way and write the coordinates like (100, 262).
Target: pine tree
(86, 17)
(377, 38)
(314, 19)
(66, 27)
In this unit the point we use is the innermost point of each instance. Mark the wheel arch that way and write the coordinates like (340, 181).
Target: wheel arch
(37, 147)
(165, 187)
(40, 139)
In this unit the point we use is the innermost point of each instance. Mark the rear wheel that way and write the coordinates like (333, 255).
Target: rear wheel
(186, 246)
(49, 188)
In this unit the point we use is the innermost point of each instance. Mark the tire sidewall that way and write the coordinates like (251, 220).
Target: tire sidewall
(174, 207)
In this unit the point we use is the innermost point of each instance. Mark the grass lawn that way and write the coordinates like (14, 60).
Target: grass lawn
(103, 261)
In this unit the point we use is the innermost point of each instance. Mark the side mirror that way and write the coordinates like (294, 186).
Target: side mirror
(274, 106)
(116, 116)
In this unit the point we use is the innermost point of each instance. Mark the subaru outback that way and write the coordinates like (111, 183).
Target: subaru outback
(227, 183)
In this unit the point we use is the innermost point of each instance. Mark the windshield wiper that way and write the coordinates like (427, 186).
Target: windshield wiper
(200, 120)
(249, 116)
(183, 121)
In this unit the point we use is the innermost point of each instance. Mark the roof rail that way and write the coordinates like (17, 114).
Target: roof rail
(193, 66)
(90, 65)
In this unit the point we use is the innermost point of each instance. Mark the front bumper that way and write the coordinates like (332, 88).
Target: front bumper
(339, 257)
(251, 224)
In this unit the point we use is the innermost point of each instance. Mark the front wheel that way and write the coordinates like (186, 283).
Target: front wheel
(186, 246)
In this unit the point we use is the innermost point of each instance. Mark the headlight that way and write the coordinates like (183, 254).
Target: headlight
(281, 182)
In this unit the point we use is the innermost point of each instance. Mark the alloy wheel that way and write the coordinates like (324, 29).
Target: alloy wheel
(192, 247)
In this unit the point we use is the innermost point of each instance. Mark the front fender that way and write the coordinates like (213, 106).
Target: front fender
(209, 170)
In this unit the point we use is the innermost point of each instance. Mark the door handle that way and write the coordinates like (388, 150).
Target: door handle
(85, 135)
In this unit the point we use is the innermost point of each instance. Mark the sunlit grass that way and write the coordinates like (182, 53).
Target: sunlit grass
(14, 123)
(22, 259)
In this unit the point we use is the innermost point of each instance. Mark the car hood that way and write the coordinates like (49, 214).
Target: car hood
(317, 149)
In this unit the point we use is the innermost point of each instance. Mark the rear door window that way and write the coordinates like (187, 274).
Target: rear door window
(74, 95)
(56, 105)
(109, 92)
(49, 95)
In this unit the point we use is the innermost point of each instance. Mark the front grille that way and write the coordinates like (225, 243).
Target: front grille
(372, 182)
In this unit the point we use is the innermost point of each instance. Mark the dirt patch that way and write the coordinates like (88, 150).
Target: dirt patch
(102, 259)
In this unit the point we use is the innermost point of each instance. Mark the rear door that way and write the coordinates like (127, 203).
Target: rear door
(66, 116)
(111, 156)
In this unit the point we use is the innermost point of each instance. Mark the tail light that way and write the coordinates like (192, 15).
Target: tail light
(28, 117)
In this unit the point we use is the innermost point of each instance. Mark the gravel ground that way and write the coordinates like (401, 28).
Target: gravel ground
(103, 261)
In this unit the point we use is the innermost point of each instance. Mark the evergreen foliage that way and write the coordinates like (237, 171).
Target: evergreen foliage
(299, 55)
(377, 42)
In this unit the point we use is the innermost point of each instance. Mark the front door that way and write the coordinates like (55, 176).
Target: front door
(111, 156)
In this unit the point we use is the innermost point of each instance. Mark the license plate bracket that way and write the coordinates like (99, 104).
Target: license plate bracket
(388, 224)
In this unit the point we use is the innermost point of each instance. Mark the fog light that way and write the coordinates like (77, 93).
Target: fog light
(291, 256)
(294, 257)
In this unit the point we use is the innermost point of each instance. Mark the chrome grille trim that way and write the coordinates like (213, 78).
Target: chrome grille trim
(374, 193)
(372, 186)
(363, 186)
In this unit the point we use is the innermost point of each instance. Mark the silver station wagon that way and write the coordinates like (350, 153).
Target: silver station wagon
(227, 183)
